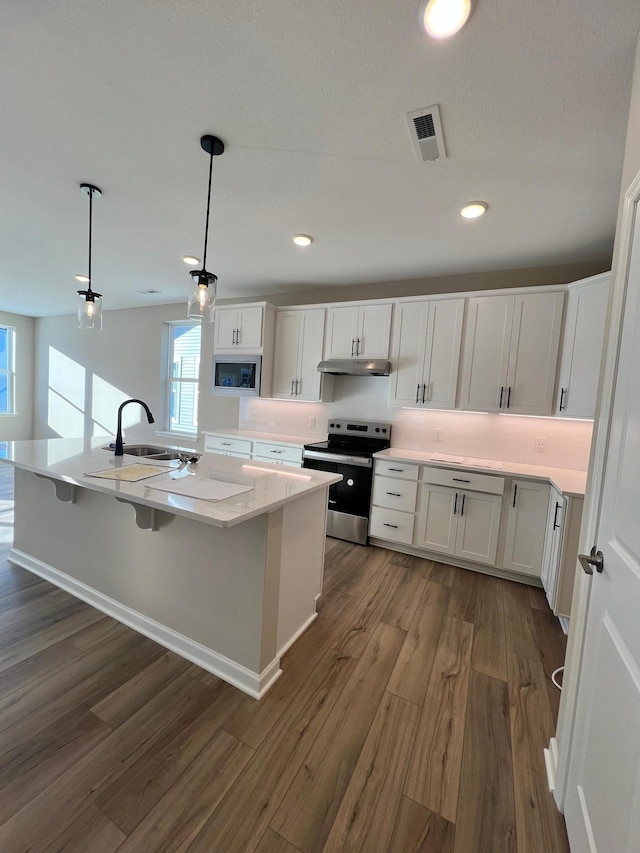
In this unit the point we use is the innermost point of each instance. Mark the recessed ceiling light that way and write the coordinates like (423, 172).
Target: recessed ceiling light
(302, 239)
(474, 209)
(190, 259)
(81, 277)
(443, 18)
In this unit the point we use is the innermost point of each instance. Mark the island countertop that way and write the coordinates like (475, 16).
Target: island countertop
(70, 460)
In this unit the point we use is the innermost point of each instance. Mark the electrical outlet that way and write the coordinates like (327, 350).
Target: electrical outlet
(312, 422)
(541, 443)
(437, 434)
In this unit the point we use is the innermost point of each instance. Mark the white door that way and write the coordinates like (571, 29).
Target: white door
(442, 353)
(438, 520)
(374, 331)
(526, 527)
(409, 345)
(249, 335)
(478, 526)
(602, 805)
(533, 354)
(285, 362)
(226, 323)
(485, 357)
(342, 332)
(310, 353)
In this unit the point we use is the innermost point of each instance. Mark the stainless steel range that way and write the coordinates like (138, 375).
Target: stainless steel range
(349, 451)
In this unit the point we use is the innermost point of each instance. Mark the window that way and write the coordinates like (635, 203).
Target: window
(7, 370)
(183, 373)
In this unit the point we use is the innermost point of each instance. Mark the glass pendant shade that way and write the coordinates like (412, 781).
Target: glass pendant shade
(202, 298)
(90, 311)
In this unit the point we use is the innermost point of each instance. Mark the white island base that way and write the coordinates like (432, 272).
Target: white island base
(230, 599)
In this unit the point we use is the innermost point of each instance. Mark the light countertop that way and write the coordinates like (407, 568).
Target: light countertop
(567, 480)
(272, 437)
(71, 459)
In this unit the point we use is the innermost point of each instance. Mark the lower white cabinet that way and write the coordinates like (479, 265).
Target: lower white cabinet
(391, 524)
(559, 562)
(228, 445)
(459, 522)
(278, 452)
(526, 526)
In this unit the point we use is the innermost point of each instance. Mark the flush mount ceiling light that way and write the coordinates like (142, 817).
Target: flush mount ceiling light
(89, 302)
(190, 259)
(444, 18)
(202, 296)
(474, 209)
(302, 239)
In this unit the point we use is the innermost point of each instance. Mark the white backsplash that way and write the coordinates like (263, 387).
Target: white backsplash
(507, 437)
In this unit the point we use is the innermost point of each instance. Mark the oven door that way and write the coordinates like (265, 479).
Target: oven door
(349, 500)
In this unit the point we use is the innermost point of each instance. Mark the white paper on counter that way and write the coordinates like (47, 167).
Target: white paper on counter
(129, 473)
(483, 463)
(201, 488)
(445, 457)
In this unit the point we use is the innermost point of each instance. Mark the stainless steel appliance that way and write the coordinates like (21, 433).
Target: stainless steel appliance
(237, 375)
(348, 451)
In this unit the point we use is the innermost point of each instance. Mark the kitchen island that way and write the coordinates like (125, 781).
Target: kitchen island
(228, 584)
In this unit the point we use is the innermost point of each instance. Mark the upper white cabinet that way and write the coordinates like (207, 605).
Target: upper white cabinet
(298, 349)
(239, 328)
(510, 353)
(358, 331)
(426, 351)
(582, 347)
(526, 527)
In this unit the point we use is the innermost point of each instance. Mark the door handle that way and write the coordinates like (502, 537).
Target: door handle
(509, 397)
(515, 492)
(563, 392)
(462, 507)
(501, 396)
(418, 393)
(455, 505)
(424, 391)
(594, 560)
(556, 523)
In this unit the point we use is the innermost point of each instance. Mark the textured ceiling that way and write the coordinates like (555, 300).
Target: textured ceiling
(310, 99)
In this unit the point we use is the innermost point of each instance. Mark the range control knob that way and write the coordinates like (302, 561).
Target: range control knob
(377, 429)
(384, 429)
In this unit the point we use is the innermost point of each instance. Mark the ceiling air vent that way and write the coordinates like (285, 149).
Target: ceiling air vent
(426, 134)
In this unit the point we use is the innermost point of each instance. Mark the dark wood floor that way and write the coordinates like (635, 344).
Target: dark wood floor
(411, 716)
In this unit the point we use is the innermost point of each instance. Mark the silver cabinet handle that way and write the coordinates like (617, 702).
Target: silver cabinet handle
(353, 346)
(460, 480)
(276, 451)
(501, 396)
(225, 443)
(462, 507)
(233, 336)
(297, 388)
(563, 392)
(455, 505)
(332, 502)
(384, 523)
(594, 560)
(424, 391)
(357, 346)
(237, 336)
(395, 494)
(292, 381)
(399, 470)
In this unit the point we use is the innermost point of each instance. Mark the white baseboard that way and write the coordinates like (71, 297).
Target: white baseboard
(564, 624)
(253, 683)
(298, 633)
(551, 763)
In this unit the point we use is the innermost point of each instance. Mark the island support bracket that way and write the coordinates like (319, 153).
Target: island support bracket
(65, 492)
(147, 518)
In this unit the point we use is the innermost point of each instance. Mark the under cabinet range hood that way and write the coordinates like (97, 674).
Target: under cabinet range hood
(355, 367)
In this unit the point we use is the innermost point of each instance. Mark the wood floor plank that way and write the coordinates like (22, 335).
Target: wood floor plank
(308, 810)
(274, 843)
(97, 633)
(178, 817)
(47, 604)
(35, 624)
(537, 598)
(520, 627)
(129, 697)
(441, 573)
(486, 814)
(367, 813)
(462, 598)
(58, 805)
(240, 821)
(552, 645)
(410, 676)
(131, 796)
(540, 825)
(42, 662)
(489, 653)
(91, 831)
(362, 569)
(434, 773)
(404, 602)
(357, 633)
(24, 595)
(419, 830)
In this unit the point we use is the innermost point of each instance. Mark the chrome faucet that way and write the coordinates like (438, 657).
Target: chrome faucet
(119, 451)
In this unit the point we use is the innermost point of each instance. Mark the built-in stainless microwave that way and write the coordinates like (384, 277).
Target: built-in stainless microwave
(237, 375)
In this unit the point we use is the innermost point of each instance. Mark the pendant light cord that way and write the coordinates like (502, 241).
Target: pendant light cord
(206, 227)
(90, 232)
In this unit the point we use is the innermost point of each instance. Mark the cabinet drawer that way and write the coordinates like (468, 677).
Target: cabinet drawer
(391, 524)
(275, 461)
(467, 480)
(227, 444)
(278, 452)
(402, 470)
(394, 494)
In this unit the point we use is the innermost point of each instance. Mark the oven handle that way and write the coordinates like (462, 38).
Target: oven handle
(360, 461)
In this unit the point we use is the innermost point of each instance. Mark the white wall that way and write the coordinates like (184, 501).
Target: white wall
(18, 426)
(82, 377)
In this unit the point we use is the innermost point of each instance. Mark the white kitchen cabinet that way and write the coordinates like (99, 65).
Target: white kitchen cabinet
(358, 331)
(426, 353)
(395, 487)
(526, 527)
(459, 522)
(298, 349)
(581, 350)
(510, 353)
(561, 550)
(239, 329)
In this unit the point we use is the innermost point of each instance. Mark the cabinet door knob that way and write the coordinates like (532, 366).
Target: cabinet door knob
(353, 346)
(297, 384)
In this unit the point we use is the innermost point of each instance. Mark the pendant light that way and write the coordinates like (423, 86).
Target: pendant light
(90, 302)
(202, 296)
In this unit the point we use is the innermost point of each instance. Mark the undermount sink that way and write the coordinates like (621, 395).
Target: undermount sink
(148, 451)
